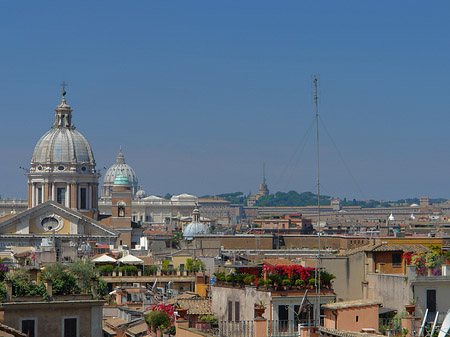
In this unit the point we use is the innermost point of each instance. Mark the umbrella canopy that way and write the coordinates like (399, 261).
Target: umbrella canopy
(104, 258)
(130, 259)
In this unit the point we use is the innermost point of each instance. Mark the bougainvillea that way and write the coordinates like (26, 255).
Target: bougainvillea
(295, 272)
(161, 316)
(407, 257)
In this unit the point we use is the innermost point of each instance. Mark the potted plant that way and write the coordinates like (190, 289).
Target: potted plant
(286, 283)
(299, 283)
(260, 308)
(411, 307)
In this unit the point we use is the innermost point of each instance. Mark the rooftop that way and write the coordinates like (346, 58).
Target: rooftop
(350, 304)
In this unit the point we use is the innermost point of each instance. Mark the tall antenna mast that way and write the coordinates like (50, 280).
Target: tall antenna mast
(316, 102)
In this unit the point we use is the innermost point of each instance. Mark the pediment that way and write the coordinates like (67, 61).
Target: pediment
(50, 217)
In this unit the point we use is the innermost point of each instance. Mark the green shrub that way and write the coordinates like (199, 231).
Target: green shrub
(220, 276)
(208, 319)
(249, 279)
(150, 270)
(105, 269)
(299, 283)
(157, 320)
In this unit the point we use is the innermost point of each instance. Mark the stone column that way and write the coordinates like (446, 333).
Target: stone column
(73, 196)
(89, 196)
(67, 201)
(53, 191)
(30, 193)
(46, 188)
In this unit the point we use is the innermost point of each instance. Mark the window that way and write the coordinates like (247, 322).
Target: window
(121, 211)
(283, 313)
(237, 311)
(39, 195)
(61, 196)
(431, 300)
(357, 318)
(70, 327)
(397, 260)
(83, 198)
(230, 311)
(28, 326)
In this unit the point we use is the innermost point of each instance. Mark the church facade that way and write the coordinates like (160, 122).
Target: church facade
(62, 191)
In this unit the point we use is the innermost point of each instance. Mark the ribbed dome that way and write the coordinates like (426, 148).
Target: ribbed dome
(120, 167)
(62, 145)
(140, 194)
(195, 227)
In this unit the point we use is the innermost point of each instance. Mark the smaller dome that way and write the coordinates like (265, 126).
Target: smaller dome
(140, 194)
(121, 179)
(391, 217)
(193, 229)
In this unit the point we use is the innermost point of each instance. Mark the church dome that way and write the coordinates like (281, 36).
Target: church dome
(119, 168)
(62, 144)
(195, 227)
(141, 194)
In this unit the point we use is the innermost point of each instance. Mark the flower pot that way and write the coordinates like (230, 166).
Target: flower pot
(259, 311)
(410, 308)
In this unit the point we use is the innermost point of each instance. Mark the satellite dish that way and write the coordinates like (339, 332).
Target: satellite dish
(445, 325)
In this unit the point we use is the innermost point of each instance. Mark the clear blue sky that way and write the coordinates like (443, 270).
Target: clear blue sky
(201, 93)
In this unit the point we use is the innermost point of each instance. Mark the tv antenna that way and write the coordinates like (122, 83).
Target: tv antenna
(318, 266)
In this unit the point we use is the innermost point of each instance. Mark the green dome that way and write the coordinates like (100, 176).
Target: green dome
(121, 179)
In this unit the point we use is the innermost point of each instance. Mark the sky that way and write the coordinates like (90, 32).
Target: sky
(201, 93)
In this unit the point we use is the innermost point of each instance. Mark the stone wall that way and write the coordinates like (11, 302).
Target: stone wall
(391, 290)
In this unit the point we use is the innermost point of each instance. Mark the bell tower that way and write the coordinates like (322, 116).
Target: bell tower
(121, 209)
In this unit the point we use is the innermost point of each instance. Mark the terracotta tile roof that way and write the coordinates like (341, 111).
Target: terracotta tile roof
(182, 296)
(137, 329)
(410, 248)
(350, 304)
(115, 321)
(357, 250)
(109, 331)
(148, 260)
(196, 305)
(383, 247)
(278, 262)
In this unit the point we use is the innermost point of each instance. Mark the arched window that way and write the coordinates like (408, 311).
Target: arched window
(121, 205)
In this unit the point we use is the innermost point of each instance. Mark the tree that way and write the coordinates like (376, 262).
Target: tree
(84, 271)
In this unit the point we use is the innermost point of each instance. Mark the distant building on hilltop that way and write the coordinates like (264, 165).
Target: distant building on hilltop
(263, 190)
